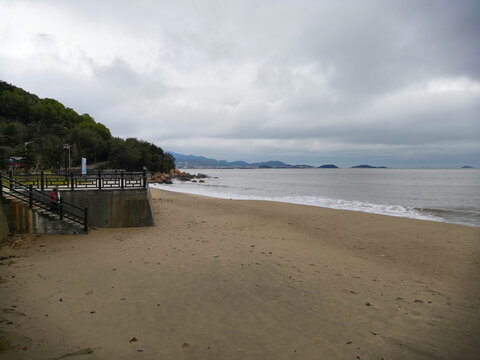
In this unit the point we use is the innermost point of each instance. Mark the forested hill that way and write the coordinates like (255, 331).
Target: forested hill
(36, 130)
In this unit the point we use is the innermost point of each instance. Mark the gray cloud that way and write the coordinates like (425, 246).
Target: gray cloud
(397, 82)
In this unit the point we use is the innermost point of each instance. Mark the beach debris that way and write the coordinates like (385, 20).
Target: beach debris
(12, 312)
(92, 312)
(134, 339)
(368, 304)
(61, 300)
(16, 244)
(349, 342)
(374, 333)
(6, 258)
(42, 245)
(418, 301)
(86, 351)
(89, 292)
(185, 345)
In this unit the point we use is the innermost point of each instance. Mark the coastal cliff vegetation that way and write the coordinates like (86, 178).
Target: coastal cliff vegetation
(36, 129)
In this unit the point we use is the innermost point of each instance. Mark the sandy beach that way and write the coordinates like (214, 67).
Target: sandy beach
(228, 279)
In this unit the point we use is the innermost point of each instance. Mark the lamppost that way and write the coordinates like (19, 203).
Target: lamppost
(65, 148)
(27, 156)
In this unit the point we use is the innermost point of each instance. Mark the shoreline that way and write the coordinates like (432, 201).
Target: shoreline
(248, 279)
(431, 218)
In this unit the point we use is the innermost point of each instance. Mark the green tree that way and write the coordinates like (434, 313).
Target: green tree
(48, 124)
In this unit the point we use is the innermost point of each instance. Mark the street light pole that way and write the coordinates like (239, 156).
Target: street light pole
(65, 148)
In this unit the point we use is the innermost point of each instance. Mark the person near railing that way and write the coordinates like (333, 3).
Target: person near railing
(54, 199)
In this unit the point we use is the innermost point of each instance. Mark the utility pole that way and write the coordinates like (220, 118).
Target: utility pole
(27, 158)
(65, 148)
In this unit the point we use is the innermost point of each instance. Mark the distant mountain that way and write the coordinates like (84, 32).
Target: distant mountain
(328, 166)
(194, 161)
(368, 167)
(467, 167)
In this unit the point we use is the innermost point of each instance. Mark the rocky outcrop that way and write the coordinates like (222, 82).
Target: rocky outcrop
(167, 178)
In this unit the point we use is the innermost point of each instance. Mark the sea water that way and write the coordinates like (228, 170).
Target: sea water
(447, 195)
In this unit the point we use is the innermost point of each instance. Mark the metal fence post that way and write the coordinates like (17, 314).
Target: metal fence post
(1, 184)
(30, 196)
(100, 180)
(71, 180)
(121, 180)
(144, 179)
(60, 208)
(11, 180)
(42, 181)
(85, 224)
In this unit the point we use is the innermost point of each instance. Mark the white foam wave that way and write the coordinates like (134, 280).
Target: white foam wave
(339, 204)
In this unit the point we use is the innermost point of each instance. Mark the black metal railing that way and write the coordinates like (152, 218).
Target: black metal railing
(36, 198)
(74, 180)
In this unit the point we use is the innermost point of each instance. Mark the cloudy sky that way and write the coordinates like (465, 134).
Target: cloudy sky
(393, 83)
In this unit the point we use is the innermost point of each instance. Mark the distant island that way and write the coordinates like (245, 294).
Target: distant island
(467, 167)
(328, 166)
(183, 161)
(368, 167)
(195, 161)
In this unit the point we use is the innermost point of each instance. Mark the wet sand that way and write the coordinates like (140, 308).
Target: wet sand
(226, 279)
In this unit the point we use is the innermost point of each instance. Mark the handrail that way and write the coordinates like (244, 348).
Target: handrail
(42, 200)
(121, 180)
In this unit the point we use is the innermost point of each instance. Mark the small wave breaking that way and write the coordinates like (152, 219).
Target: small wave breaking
(338, 204)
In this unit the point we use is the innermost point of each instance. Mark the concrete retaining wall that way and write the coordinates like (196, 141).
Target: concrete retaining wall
(23, 220)
(114, 208)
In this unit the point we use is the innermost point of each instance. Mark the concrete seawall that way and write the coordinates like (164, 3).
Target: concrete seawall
(114, 208)
(20, 219)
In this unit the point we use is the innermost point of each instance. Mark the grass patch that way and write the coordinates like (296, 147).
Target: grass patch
(4, 343)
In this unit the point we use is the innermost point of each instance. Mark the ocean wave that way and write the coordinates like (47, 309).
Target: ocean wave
(339, 204)
(469, 216)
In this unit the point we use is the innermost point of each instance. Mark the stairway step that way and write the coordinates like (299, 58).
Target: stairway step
(39, 207)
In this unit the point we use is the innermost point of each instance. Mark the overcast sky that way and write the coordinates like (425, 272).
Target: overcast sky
(393, 83)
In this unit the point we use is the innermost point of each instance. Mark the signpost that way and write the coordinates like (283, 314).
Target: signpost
(84, 166)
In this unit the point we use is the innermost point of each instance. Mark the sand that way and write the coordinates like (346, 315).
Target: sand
(227, 279)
